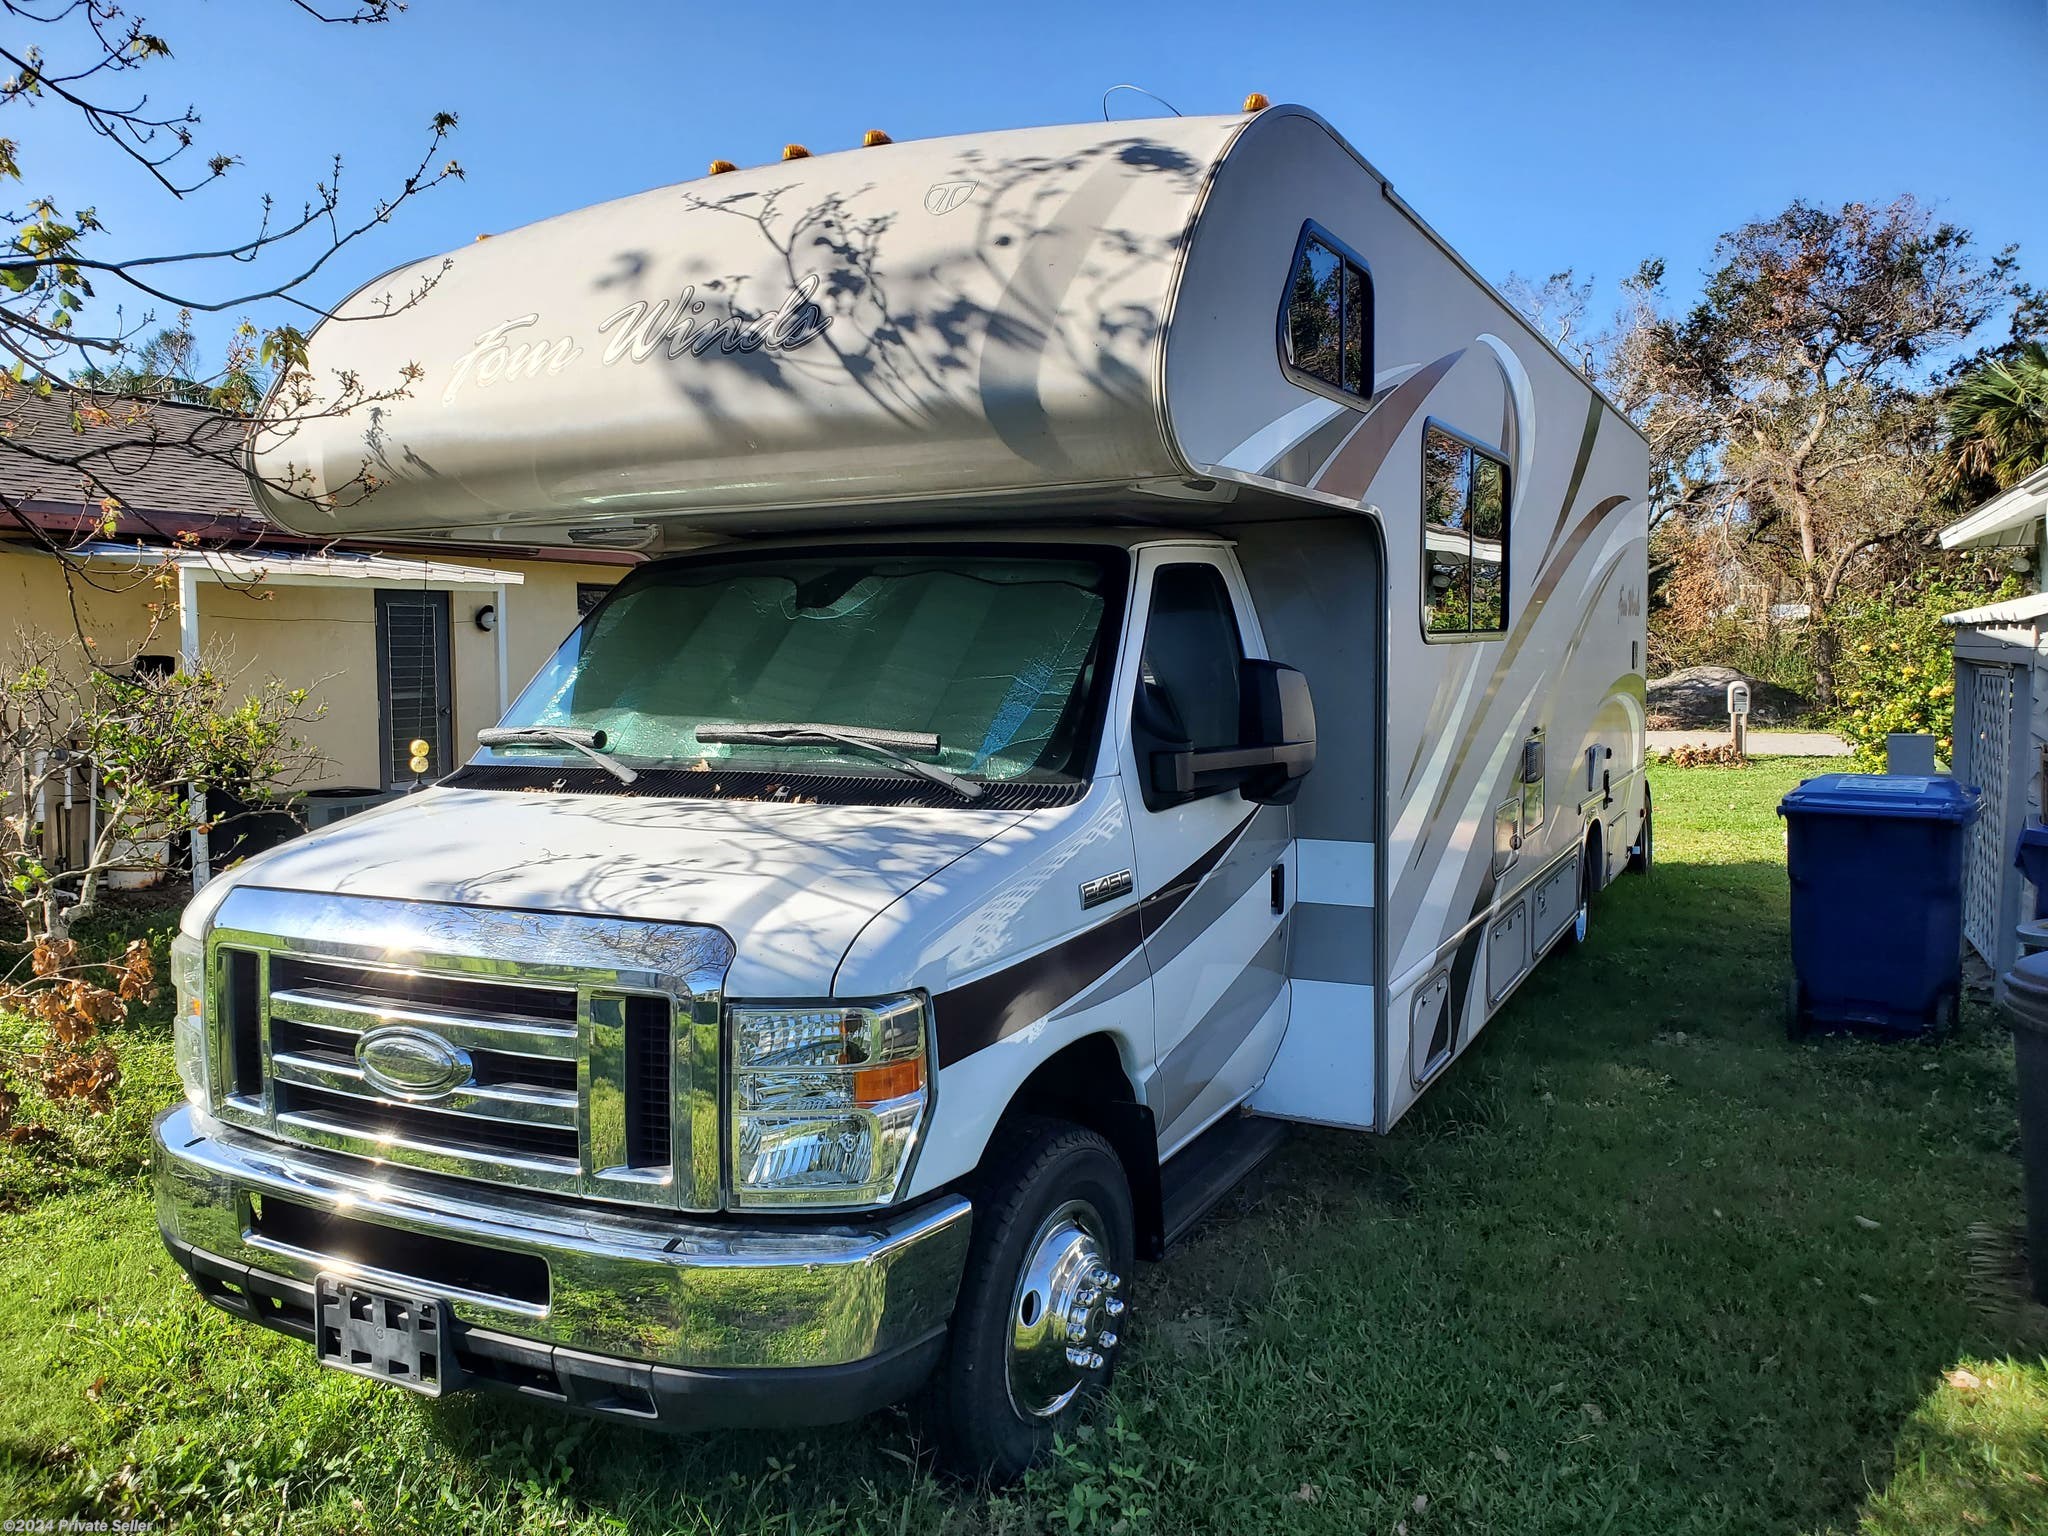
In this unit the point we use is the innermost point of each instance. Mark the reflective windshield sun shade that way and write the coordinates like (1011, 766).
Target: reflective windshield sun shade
(993, 653)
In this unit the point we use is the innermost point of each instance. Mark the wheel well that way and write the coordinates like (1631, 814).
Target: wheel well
(1085, 1083)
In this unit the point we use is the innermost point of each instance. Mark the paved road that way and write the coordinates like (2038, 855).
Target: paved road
(1761, 743)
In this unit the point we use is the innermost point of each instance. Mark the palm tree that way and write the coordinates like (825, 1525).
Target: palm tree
(1997, 420)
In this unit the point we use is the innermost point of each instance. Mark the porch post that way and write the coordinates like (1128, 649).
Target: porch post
(504, 666)
(188, 654)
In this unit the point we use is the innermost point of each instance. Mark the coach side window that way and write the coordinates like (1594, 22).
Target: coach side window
(1326, 317)
(1464, 537)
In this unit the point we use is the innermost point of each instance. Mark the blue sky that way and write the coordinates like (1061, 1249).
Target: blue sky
(1533, 136)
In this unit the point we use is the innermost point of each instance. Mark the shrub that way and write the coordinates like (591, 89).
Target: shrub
(1897, 667)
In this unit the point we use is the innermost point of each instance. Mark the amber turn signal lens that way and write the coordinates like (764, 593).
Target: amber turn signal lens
(878, 1085)
(795, 152)
(720, 167)
(1256, 102)
(873, 137)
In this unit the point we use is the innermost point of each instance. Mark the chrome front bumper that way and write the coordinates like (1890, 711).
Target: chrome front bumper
(632, 1313)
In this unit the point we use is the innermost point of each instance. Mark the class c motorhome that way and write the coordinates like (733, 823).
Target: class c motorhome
(1139, 644)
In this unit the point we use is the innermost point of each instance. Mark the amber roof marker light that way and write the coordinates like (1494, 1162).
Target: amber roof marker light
(1256, 102)
(795, 152)
(720, 167)
(873, 137)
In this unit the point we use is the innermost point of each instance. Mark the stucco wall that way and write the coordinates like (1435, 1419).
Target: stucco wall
(321, 637)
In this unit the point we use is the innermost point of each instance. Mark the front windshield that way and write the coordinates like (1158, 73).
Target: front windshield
(996, 654)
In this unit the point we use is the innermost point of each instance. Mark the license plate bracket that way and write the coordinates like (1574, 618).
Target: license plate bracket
(400, 1339)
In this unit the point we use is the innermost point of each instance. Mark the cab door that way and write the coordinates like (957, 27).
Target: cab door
(1213, 874)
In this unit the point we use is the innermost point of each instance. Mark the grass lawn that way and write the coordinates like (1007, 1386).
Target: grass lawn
(1638, 1266)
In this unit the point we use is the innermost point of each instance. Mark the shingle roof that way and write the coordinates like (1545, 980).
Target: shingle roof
(154, 456)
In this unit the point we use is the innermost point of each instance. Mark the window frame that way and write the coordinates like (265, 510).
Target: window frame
(1283, 332)
(1484, 450)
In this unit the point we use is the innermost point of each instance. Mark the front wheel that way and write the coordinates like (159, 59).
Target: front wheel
(1042, 1302)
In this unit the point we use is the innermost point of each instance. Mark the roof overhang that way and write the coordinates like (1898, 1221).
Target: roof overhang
(290, 568)
(2010, 520)
(2016, 610)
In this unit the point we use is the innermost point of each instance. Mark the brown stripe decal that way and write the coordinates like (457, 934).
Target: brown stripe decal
(1351, 472)
(1571, 491)
(1155, 909)
(972, 1017)
(982, 1012)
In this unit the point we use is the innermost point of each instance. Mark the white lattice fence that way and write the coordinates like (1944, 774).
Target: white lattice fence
(1991, 727)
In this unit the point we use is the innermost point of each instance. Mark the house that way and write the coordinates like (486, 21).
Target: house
(397, 643)
(2001, 730)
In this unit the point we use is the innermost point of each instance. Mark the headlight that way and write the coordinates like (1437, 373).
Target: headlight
(828, 1099)
(188, 1024)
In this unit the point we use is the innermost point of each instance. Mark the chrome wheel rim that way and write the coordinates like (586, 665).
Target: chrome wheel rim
(1064, 1312)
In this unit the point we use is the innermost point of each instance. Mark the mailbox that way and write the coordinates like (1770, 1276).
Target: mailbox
(1738, 698)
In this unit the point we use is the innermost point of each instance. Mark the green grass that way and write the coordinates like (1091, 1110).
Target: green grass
(1609, 1277)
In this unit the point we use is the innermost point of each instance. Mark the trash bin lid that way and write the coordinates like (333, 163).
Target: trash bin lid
(2026, 991)
(1931, 797)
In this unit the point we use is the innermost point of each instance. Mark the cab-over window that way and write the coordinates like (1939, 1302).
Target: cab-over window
(1326, 317)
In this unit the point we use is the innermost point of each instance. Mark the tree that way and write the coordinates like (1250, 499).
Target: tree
(80, 315)
(166, 366)
(1557, 307)
(1791, 404)
(1996, 421)
(151, 748)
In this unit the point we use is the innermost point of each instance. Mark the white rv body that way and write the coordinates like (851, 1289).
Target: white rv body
(1068, 342)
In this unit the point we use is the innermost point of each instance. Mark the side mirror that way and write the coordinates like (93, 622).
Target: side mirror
(1278, 717)
(1276, 745)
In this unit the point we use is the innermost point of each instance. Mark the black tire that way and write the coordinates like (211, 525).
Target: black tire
(1034, 1176)
(1642, 857)
(1581, 928)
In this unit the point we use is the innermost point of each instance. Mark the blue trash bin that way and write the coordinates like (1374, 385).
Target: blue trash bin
(2031, 859)
(1876, 862)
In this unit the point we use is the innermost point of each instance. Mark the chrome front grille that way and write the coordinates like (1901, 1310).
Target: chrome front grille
(585, 1050)
(520, 1109)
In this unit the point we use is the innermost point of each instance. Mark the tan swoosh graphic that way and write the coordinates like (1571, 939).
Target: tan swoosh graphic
(1350, 473)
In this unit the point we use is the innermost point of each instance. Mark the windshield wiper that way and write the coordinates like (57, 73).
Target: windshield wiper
(586, 742)
(882, 744)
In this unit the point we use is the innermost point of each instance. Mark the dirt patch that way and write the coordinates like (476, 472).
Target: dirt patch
(1696, 699)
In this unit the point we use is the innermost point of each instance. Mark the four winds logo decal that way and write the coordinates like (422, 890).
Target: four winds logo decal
(676, 327)
(945, 196)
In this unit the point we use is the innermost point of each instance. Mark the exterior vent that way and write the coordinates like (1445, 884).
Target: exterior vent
(242, 1007)
(650, 1092)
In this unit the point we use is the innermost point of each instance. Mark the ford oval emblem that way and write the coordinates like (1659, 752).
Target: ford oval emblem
(412, 1063)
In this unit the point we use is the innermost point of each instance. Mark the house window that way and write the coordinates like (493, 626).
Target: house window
(1326, 317)
(1464, 537)
(588, 595)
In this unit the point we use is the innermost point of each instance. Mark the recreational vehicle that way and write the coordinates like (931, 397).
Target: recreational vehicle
(1139, 644)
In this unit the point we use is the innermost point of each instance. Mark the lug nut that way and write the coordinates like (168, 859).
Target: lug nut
(1106, 1339)
(1076, 1332)
(1096, 1362)
(1099, 1275)
(1079, 1358)
(1113, 1307)
(1113, 1283)
(1089, 1295)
